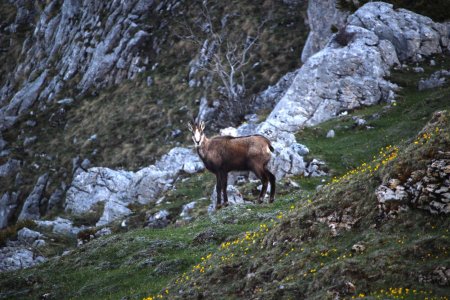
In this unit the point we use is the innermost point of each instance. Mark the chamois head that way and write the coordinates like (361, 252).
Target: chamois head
(197, 132)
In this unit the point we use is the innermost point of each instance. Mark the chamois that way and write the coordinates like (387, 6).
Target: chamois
(222, 154)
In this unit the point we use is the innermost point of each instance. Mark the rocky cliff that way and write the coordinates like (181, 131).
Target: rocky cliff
(350, 71)
(77, 47)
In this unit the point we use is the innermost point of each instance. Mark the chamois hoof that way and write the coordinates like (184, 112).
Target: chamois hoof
(218, 206)
(271, 200)
(259, 201)
(225, 204)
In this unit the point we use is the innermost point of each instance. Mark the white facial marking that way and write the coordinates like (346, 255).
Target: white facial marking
(197, 137)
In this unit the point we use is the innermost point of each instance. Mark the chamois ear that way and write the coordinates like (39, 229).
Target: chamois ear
(202, 125)
(189, 125)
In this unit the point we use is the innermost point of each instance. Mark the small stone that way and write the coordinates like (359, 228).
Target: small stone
(175, 133)
(31, 123)
(28, 236)
(66, 101)
(359, 121)
(149, 81)
(393, 183)
(292, 183)
(29, 140)
(187, 208)
(10, 168)
(159, 219)
(432, 62)
(351, 288)
(85, 164)
(104, 231)
(331, 134)
(39, 243)
(358, 248)
(441, 190)
(418, 70)
(446, 169)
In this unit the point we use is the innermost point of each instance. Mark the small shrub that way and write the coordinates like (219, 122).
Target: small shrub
(11, 231)
(334, 28)
(91, 217)
(85, 235)
(343, 37)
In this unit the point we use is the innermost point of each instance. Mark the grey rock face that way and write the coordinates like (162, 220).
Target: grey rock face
(28, 236)
(118, 188)
(182, 159)
(22, 100)
(55, 199)
(270, 96)
(340, 77)
(14, 258)
(3, 143)
(10, 168)
(322, 15)
(60, 226)
(72, 39)
(413, 36)
(113, 211)
(287, 159)
(205, 111)
(159, 219)
(30, 209)
(425, 189)
(234, 196)
(8, 205)
(436, 79)
(97, 185)
(333, 80)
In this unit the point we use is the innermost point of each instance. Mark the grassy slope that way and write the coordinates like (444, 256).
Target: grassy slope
(144, 261)
(299, 258)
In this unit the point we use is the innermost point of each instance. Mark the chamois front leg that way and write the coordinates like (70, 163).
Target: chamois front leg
(219, 190)
(224, 188)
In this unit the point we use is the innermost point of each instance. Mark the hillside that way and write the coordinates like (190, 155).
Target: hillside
(131, 124)
(285, 250)
(103, 196)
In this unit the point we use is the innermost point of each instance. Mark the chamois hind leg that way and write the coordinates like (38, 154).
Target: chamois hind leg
(219, 191)
(224, 188)
(272, 180)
